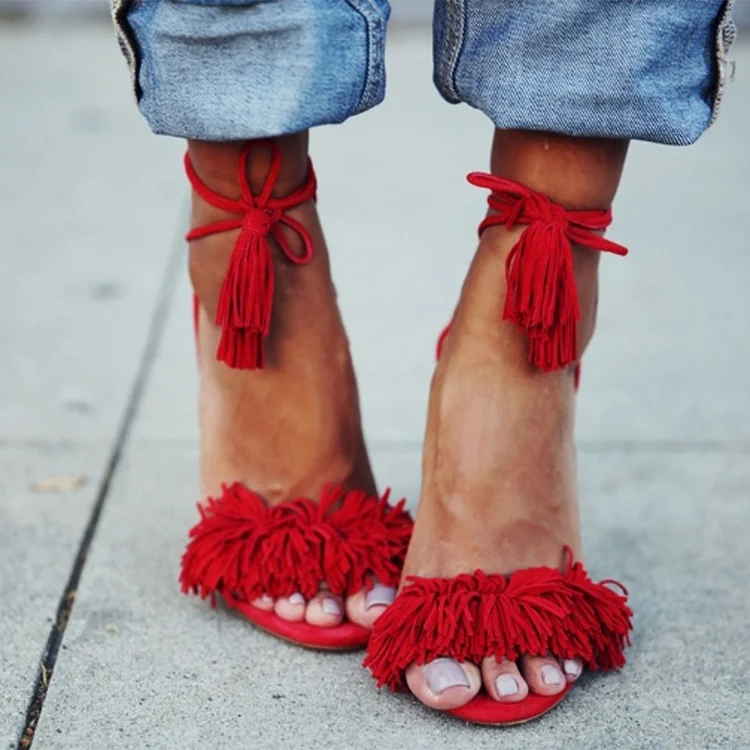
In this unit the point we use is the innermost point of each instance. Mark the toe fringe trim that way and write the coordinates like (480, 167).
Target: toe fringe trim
(535, 611)
(243, 546)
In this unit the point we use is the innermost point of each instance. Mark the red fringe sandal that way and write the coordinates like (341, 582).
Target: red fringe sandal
(536, 611)
(241, 548)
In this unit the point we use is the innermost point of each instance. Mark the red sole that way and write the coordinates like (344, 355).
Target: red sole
(345, 637)
(484, 710)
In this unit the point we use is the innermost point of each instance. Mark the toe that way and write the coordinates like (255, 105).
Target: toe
(264, 602)
(572, 669)
(365, 607)
(543, 674)
(444, 683)
(325, 610)
(503, 680)
(291, 608)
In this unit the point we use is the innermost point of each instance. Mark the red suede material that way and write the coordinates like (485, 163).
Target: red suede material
(244, 548)
(536, 611)
(541, 297)
(346, 636)
(483, 710)
(246, 297)
(441, 340)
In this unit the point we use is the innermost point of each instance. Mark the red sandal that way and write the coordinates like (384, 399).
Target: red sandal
(241, 548)
(535, 611)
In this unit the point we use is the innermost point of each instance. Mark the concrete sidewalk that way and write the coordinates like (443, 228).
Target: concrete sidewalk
(98, 388)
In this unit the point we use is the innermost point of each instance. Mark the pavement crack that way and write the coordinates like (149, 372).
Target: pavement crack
(67, 599)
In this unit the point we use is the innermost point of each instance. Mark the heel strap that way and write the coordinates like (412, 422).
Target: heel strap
(245, 301)
(541, 291)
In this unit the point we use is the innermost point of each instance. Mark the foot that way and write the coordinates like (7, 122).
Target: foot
(289, 429)
(499, 490)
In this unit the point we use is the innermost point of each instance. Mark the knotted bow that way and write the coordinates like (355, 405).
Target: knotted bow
(541, 290)
(246, 298)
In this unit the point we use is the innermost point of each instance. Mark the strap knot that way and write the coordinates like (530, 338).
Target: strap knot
(541, 297)
(260, 220)
(246, 297)
(540, 209)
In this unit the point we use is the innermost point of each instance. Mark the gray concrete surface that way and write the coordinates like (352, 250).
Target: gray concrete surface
(665, 459)
(146, 668)
(80, 278)
(76, 257)
(39, 537)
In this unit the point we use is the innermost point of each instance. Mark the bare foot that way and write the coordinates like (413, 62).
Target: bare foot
(499, 471)
(286, 430)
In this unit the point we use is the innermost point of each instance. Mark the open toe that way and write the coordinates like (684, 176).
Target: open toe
(543, 674)
(264, 603)
(291, 608)
(240, 549)
(443, 683)
(572, 668)
(503, 680)
(367, 605)
(490, 619)
(325, 610)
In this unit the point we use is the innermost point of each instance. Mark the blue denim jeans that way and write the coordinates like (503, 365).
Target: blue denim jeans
(238, 69)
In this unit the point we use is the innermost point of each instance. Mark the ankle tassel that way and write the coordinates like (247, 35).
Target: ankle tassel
(541, 294)
(246, 298)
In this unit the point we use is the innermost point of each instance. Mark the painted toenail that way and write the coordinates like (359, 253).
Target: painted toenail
(551, 675)
(296, 599)
(572, 667)
(442, 674)
(379, 595)
(506, 685)
(331, 607)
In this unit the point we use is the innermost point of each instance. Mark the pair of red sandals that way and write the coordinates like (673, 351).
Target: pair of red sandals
(241, 549)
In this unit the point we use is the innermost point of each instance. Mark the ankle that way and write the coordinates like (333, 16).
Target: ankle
(253, 203)
(547, 193)
(578, 173)
(483, 336)
(216, 164)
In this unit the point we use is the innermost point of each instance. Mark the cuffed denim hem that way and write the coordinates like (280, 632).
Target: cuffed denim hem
(239, 69)
(652, 70)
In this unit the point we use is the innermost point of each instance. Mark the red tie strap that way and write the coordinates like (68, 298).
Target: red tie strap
(246, 297)
(541, 290)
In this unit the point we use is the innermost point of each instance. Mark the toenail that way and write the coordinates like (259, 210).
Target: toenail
(506, 685)
(572, 667)
(296, 599)
(379, 595)
(442, 674)
(265, 599)
(551, 675)
(331, 607)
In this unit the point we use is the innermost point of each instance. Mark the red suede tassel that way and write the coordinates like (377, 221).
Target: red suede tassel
(246, 298)
(244, 308)
(247, 548)
(535, 611)
(541, 293)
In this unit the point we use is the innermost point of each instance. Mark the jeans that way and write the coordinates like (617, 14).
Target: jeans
(238, 69)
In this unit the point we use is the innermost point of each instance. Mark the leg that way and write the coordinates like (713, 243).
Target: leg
(289, 429)
(499, 463)
(567, 85)
(262, 427)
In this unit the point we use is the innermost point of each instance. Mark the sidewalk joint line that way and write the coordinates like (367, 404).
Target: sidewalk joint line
(154, 337)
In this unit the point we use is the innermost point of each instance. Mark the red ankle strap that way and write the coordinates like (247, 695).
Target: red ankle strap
(244, 308)
(541, 296)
